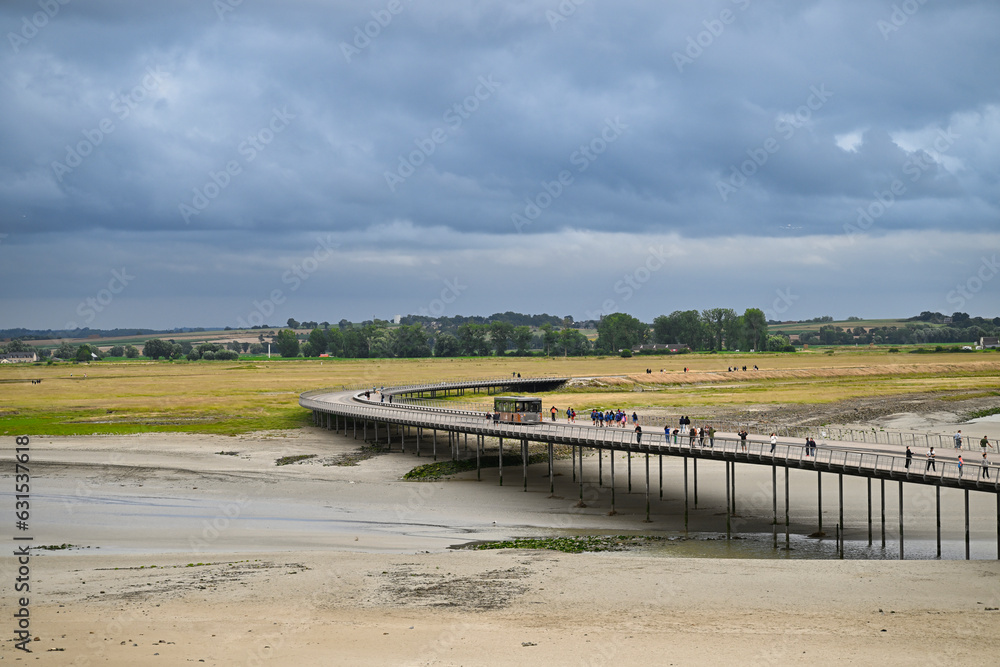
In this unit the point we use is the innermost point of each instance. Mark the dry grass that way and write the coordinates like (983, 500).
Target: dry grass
(235, 397)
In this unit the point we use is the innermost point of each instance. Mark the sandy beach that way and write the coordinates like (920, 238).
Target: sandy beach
(199, 548)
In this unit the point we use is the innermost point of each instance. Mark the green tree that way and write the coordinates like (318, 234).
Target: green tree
(681, 326)
(715, 320)
(117, 351)
(472, 338)
(549, 338)
(734, 332)
(755, 324)
(500, 334)
(83, 353)
(412, 341)
(292, 324)
(317, 342)
(335, 342)
(619, 331)
(131, 351)
(156, 348)
(308, 351)
(287, 343)
(571, 342)
(65, 351)
(776, 342)
(17, 345)
(522, 339)
(446, 345)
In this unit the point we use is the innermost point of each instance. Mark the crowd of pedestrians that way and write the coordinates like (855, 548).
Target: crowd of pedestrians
(620, 418)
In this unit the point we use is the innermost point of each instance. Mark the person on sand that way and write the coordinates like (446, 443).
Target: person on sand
(930, 461)
(984, 443)
(986, 466)
(774, 441)
(909, 457)
(958, 439)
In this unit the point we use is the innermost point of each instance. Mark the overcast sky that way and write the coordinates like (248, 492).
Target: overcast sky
(187, 163)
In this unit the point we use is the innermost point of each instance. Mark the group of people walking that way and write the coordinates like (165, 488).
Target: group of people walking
(613, 418)
(931, 458)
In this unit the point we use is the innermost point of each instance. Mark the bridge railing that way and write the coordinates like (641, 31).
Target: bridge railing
(626, 439)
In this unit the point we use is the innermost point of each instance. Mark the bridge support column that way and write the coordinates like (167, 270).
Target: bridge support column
(647, 488)
(500, 460)
(479, 468)
(524, 461)
(694, 472)
(402, 438)
(661, 476)
(869, 511)
(882, 498)
(968, 553)
(819, 499)
(787, 522)
(732, 465)
(937, 498)
(434, 446)
(685, 494)
(572, 451)
(900, 521)
(629, 457)
(612, 481)
(728, 501)
(581, 475)
(354, 421)
(840, 491)
(364, 430)
(600, 467)
(552, 473)
(419, 435)
(774, 503)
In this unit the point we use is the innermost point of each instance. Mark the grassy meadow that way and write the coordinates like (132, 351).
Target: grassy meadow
(237, 397)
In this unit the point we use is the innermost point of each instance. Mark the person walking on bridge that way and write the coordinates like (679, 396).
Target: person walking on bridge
(984, 443)
(743, 439)
(958, 439)
(986, 466)
(638, 435)
(774, 441)
(553, 411)
(930, 461)
(909, 457)
(960, 464)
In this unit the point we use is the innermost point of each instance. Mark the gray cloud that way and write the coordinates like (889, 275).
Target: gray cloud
(176, 107)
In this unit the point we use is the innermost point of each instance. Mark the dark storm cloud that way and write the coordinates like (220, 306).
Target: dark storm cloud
(243, 128)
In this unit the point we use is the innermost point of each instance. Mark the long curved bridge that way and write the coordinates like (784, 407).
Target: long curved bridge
(405, 408)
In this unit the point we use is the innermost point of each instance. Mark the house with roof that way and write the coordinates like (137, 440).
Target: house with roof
(985, 342)
(18, 358)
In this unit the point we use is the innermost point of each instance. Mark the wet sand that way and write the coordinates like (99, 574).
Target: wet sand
(317, 563)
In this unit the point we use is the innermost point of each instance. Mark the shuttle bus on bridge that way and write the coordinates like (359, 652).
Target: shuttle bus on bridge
(518, 409)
